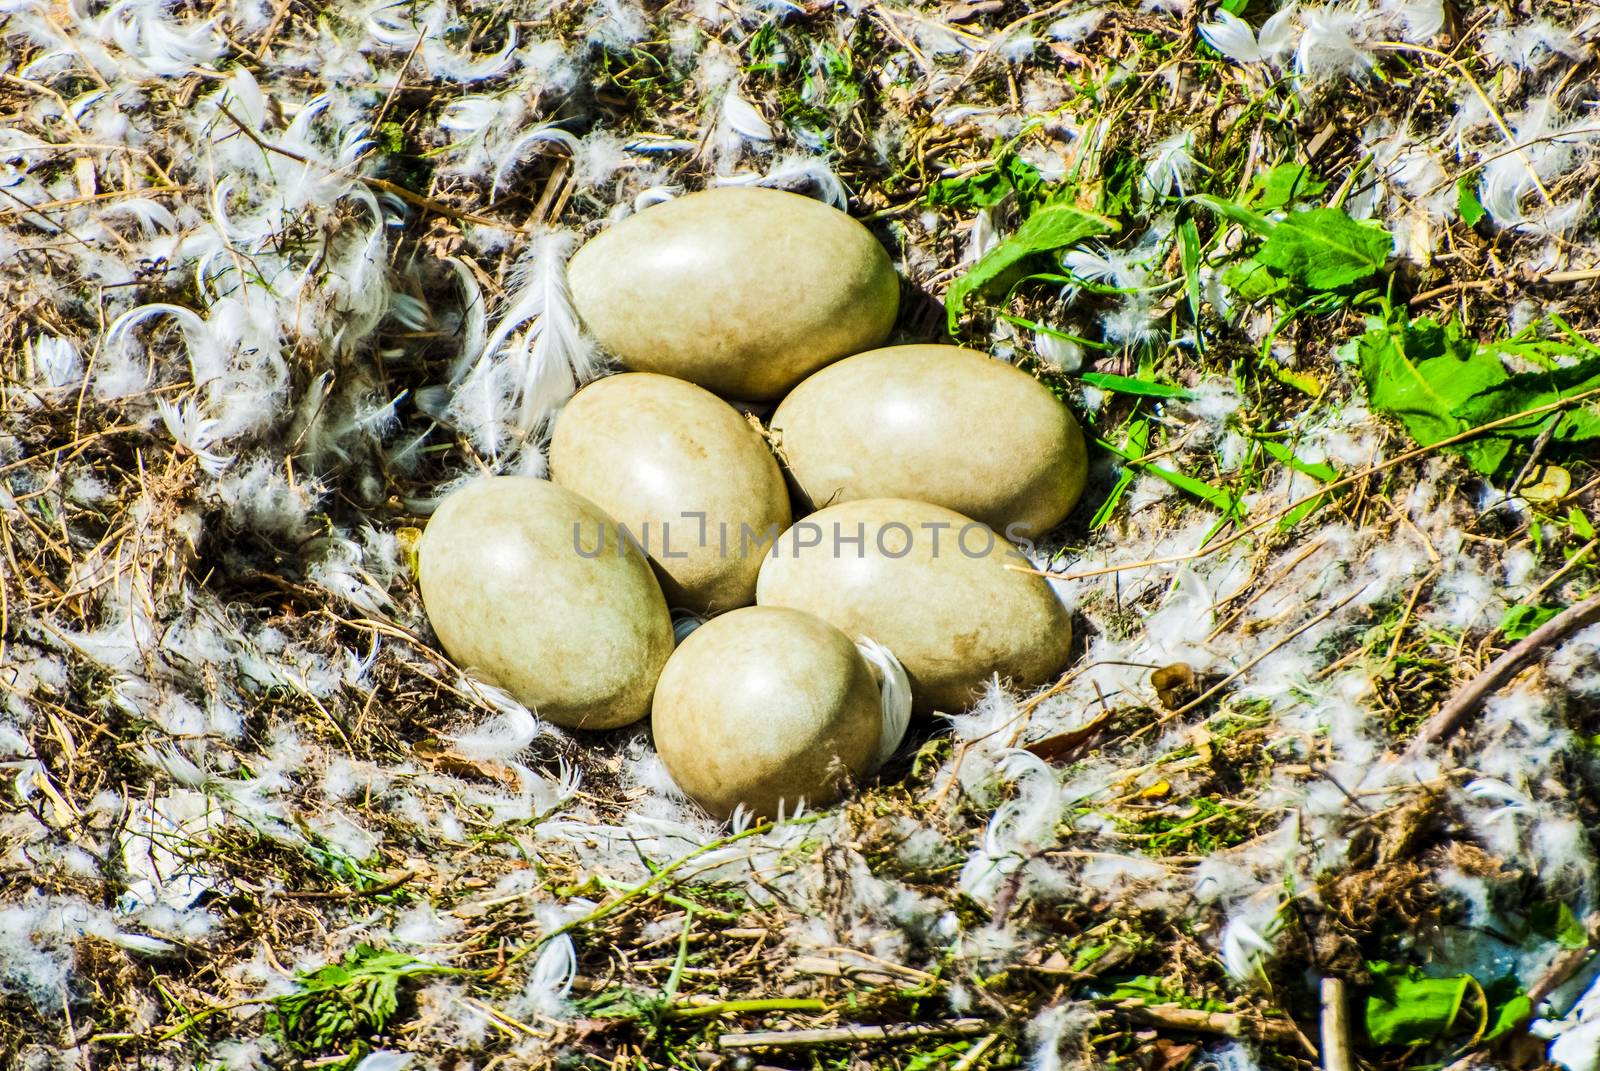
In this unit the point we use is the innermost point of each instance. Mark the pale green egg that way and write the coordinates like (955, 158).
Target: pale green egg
(940, 590)
(532, 589)
(744, 291)
(685, 473)
(766, 706)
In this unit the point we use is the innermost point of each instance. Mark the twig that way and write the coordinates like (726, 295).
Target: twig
(1451, 288)
(842, 1035)
(1219, 1024)
(974, 1054)
(1581, 275)
(1567, 964)
(1335, 1027)
(1465, 702)
(743, 1007)
(1217, 688)
(399, 80)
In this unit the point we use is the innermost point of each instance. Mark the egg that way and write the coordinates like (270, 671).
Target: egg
(766, 705)
(938, 424)
(930, 584)
(684, 473)
(532, 588)
(744, 291)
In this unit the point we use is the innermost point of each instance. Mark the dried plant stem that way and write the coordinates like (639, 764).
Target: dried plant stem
(837, 1035)
(1219, 1024)
(1335, 1027)
(1466, 701)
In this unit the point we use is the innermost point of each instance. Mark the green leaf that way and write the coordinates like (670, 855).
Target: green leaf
(1509, 1008)
(988, 187)
(1050, 227)
(1152, 989)
(1420, 372)
(1254, 222)
(1283, 186)
(1555, 920)
(1531, 390)
(1129, 385)
(1213, 496)
(1467, 203)
(1405, 1007)
(1323, 249)
(1318, 470)
(1138, 443)
(1146, 989)
(1189, 246)
(1120, 177)
(1520, 621)
(1251, 281)
(1321, 470)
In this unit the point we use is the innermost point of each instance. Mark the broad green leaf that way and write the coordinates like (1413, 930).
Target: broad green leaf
(1120, 178)
(1146, 989)
(1531, 390)
(1283, 186)
(1406, 1007)
(988, 187)
(1152, 989)
(1520, 621)
(1421, 372)
(1323, 249)
(1509, 1008)
(1467, 204)
(1129, 385)
(1051, 227)
(1250, 280)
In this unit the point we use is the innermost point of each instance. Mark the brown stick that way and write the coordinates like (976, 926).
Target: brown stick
(1465, 702)
(1220, 1024)
(1335, 1027)
(838, 1035)
(1567, 964)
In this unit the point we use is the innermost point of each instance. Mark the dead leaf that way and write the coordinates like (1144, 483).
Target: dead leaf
(458, 765)
(1176, 684)
(1064, 745)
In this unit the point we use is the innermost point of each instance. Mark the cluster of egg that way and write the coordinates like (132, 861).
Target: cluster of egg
(909, 465)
